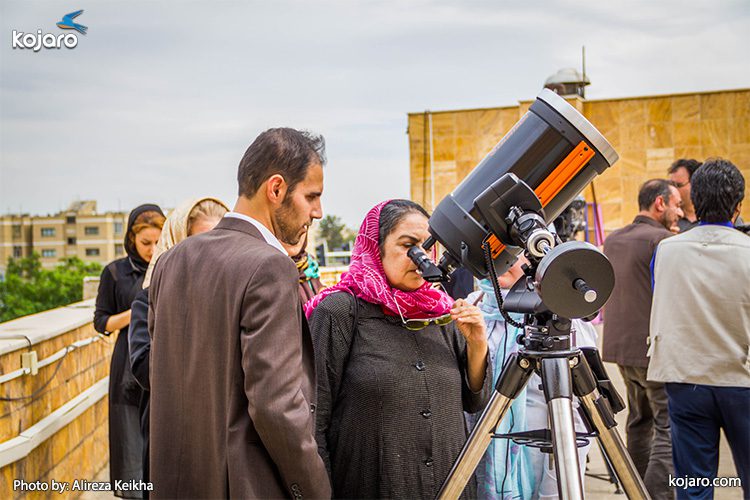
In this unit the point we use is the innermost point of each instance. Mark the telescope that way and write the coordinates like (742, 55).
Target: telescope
(501, 210)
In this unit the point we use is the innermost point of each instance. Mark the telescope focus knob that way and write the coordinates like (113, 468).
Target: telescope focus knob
(540, 242)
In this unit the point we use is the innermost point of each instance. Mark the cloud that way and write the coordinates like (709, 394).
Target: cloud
(160, 99)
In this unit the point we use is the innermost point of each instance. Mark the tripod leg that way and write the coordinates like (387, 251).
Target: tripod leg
(559, 394)
(603, 419)
(515, 374)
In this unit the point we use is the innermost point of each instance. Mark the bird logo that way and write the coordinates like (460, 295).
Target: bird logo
(67, 22)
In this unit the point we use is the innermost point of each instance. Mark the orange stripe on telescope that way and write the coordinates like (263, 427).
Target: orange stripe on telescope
(564, 173)
(554, 183)
(495, 246)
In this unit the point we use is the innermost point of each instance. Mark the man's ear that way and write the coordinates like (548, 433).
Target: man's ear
(659, 204)
(276, 188)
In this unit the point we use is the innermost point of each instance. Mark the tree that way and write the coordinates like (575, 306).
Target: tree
(333, 231)
(28, 288)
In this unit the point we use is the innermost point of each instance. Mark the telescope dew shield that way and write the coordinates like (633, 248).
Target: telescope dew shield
(553, 149)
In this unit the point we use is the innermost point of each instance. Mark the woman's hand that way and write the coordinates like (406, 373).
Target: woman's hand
(470, 322)
(118, 321)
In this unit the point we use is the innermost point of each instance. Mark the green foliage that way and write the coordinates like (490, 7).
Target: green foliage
(28, 288)
(333, 231)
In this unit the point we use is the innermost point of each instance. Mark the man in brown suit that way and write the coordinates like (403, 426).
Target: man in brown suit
(626, 329)
(232, 374)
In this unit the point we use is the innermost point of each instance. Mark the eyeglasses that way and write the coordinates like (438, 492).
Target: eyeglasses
(416, 324)
(680, 185)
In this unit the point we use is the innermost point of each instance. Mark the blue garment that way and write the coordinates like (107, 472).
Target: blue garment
(725, 224)
(696, 415)
(505, 471)
(313, 268)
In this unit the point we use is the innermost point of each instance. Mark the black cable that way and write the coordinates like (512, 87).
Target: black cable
(70, 348)
(496, 285)
(44, 386)
(510, 428)
(508, 320)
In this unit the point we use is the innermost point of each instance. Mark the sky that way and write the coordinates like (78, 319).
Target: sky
(159, 100)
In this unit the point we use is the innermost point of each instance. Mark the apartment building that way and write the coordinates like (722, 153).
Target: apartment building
(15, 237)
(78, 231)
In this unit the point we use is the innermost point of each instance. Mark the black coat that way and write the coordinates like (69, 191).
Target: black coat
(140, 349)
(120, 281)
(390, 420)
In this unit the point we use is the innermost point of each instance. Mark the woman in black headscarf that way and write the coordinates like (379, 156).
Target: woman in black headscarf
(120, 281)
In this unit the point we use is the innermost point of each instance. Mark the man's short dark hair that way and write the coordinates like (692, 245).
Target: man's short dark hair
(687, 163)
(651, 190)
(717, 188)
(284, 151)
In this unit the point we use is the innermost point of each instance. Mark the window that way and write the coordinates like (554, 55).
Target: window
(70, 219)
(92, 252)
(16, 231)
(71, 241)
(118, 227)
(17, 252)
(48, 231)
(91, 230)
(119, 250)
(49, 252)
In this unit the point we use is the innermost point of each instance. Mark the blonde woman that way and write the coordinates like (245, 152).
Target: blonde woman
(190, 218)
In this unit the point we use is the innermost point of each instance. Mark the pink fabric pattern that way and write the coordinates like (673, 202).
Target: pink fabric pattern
(366, 279)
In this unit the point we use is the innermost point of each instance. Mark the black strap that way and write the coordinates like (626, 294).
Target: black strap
(355, 318)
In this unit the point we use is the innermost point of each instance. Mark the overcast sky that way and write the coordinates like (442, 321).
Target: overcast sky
(159, 100)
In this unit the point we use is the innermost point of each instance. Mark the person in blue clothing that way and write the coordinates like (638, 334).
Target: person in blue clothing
(508, 470)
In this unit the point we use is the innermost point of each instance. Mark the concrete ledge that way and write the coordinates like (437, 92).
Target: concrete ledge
(36, 328)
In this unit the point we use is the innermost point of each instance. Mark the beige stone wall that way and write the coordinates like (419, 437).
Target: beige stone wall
(649, 133)
(78, 450)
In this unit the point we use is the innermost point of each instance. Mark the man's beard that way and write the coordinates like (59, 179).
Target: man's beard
(665, 220)
(285, 217)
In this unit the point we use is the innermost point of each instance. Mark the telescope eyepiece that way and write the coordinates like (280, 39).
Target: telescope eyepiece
(429, 271)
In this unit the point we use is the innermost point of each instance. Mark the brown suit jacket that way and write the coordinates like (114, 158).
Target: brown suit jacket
(232, 372)
(627, 313)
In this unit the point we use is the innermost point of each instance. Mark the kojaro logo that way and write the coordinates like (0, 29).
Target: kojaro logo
(37, 41)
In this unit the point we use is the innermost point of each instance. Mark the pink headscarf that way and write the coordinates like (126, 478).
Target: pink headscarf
(366, 279)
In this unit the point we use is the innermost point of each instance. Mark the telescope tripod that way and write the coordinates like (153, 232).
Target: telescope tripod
(565, 372)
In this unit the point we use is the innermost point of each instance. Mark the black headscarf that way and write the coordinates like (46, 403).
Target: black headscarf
(136, 260)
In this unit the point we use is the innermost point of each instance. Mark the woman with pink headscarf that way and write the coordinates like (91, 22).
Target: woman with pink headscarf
(397, 363)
